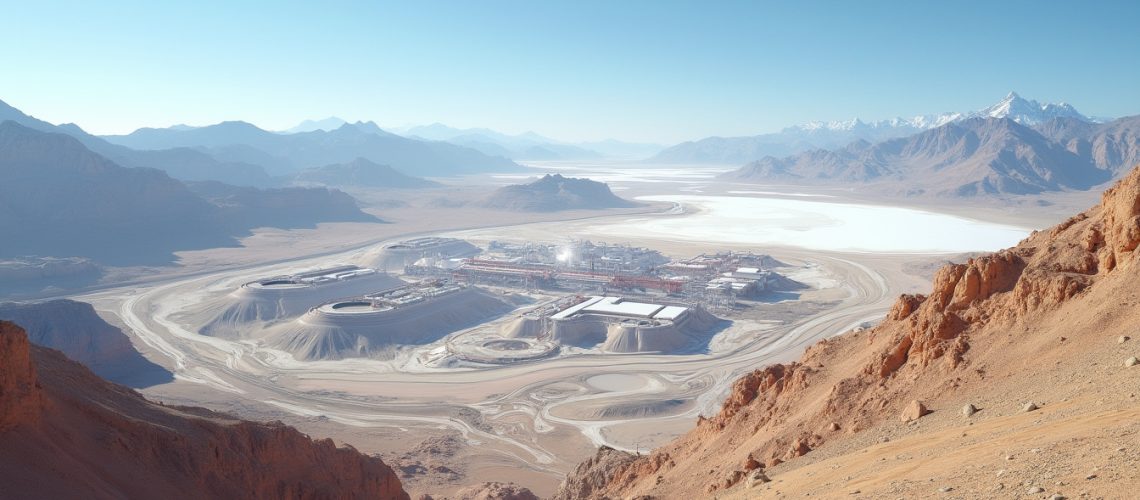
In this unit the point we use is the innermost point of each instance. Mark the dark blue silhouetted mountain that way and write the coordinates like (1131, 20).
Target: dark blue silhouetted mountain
(180, 163)
(330, 123)
(243, 207)
(361, 172)
(60, 199)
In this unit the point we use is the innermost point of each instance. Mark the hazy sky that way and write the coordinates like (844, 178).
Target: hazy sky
(649, 71)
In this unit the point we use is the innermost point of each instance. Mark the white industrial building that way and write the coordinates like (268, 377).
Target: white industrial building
(619, 325)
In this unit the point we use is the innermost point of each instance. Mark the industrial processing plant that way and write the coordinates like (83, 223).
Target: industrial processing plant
(712, 280)
(565, 298)
(616, 324)
(396, 256)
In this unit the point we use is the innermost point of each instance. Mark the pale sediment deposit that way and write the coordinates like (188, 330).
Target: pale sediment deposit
(374, 325)
(524, 326)
(279, 297)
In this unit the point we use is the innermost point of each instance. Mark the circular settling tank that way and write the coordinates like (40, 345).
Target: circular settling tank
(499, 351)
(506, 345)
(354, 307)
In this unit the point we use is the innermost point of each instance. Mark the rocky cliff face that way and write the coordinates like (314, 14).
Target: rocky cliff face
(1061, 294)
(75, 329)
(66, 433)
(20, 396)
(591, 478)
(495, 491)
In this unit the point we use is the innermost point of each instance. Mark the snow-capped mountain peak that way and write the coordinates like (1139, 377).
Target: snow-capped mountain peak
(1012, 106)
(1030, 112)
(832, 125)
(921, 122)
(833, 135)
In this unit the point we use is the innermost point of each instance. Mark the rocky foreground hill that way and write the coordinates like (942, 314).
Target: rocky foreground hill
(66, 433)
(1016, 375)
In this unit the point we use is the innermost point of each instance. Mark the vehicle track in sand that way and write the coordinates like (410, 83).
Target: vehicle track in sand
(450, 398)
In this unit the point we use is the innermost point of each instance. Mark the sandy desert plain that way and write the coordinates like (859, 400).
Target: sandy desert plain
(445, 423)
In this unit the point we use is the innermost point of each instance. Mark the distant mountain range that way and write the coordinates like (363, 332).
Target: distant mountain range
(552, 193)
(526, 146)
(60, 199)
(1016, 146)
(529, 145)
(242, 154)
(327, 124)
(838, 134)
(181, 163)
(285, 154)
(361, 172)
(1014, 153)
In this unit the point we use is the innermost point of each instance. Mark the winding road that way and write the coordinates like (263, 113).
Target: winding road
(514, 410)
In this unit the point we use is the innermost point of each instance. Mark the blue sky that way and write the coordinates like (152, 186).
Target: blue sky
(660, 71)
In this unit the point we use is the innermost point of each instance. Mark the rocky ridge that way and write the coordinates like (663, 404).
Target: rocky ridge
(973, 157)
(495, 491)
(831, 135)
(66, 433)
(63, 200)
(1016, 331)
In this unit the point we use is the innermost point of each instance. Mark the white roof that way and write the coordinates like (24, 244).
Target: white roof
(572, 310)
(615, 305)
(748, 270)
(670, 312)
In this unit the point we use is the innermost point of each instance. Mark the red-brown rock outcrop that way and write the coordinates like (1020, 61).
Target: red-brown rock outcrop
(495, 491)
(66, 433)
(20, 396)
(593, 476)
